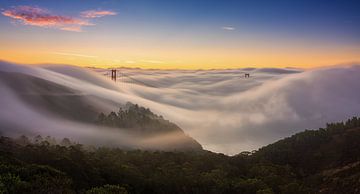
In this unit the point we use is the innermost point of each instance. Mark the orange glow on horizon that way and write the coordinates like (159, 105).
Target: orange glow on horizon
(186, 60)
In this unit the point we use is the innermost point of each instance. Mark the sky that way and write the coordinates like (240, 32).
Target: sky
(181, 34)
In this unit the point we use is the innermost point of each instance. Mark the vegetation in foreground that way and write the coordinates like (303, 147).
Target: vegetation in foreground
(314, 161)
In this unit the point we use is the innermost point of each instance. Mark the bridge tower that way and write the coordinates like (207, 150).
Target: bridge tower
(113, 75)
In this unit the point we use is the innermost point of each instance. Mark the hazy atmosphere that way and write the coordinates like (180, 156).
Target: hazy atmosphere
(180, 96)
(221, 109)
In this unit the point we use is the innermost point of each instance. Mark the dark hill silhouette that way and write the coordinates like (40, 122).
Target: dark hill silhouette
(314, 161)
(330, 155)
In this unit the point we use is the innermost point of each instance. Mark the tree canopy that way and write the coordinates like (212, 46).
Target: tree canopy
(314, 161)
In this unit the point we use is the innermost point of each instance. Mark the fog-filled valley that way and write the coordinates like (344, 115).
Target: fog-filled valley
(67, 129)
(221, 109)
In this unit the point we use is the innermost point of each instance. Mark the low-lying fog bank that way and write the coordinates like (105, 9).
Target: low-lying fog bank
(221, 109)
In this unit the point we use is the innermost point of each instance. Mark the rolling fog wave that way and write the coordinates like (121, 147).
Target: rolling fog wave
(221, 109)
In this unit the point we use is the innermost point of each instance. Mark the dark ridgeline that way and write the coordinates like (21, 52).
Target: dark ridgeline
(314, 161)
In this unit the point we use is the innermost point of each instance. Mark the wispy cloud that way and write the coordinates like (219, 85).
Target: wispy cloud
(97, 13)
(74, 54)
(36, 16)
(130, 62)
(229, 28)
(152, 61)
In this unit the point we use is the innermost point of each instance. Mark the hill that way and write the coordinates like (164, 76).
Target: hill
(330, 155)
(314, 161)
(142, 122)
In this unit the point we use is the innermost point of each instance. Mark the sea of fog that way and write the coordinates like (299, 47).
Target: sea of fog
(221, 109)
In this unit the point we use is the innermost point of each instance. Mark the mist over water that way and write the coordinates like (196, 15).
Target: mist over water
(221, 109)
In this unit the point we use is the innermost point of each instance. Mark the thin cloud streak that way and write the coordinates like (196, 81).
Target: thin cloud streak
(228, 28)
(130, 62)
(152, 61)
(75, 54)
(97, 13)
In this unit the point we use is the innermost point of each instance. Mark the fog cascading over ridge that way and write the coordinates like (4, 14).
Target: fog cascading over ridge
(21, 116)
(220, 108)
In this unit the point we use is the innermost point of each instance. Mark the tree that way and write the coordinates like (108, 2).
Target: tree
(108, 189)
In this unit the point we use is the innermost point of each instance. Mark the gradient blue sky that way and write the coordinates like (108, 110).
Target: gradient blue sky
(191, 34)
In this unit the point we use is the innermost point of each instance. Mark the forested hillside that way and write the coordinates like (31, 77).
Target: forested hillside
(314, 161)
(328, 158)
(144, 123)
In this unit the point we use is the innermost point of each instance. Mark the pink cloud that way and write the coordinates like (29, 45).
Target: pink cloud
(96, 13)
(36, 16)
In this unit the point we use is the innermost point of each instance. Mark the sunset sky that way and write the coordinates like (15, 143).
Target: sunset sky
(181, 34)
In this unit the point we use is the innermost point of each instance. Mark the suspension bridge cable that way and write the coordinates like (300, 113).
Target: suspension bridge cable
(138, 81)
